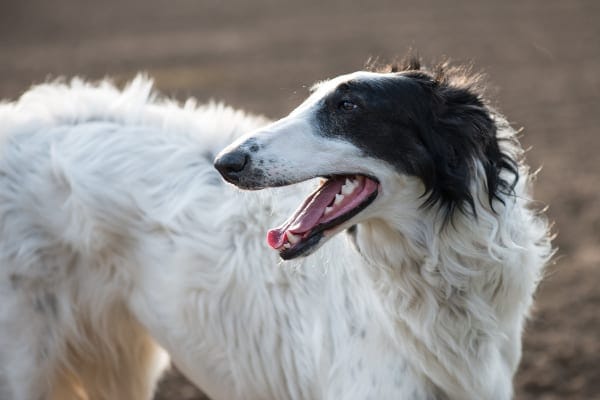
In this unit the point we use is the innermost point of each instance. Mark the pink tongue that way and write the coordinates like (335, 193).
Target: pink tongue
(308, 214)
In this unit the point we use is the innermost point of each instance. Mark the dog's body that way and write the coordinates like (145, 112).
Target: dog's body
(119, 240)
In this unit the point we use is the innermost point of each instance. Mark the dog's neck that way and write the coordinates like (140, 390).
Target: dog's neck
(451, 292)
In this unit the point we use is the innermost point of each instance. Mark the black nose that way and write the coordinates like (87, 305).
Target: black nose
(231, 164)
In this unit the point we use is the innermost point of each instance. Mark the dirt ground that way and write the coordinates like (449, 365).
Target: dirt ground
(543, 62)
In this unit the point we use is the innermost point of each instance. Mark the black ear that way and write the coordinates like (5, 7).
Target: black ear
(462, 134)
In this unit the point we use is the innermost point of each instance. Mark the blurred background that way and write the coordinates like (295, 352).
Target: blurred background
(542, 59)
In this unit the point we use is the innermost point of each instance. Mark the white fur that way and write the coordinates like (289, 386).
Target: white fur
(118, 240)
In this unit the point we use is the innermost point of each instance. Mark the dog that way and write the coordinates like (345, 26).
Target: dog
(121, 247)
(429, 183)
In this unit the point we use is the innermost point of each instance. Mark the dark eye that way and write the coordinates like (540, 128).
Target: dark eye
(347, 106)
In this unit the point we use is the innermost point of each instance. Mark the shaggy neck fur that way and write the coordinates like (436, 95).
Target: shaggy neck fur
(459, 292)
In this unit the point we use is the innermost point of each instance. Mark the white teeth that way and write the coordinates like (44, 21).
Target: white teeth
(293, 239)
(327, 210)
(338, 199)
(287, 246)
(349, 187)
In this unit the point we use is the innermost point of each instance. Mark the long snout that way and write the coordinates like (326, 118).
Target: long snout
(249, 161)
(284, 152)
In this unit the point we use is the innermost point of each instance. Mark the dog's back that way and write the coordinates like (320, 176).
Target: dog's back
(85, 171)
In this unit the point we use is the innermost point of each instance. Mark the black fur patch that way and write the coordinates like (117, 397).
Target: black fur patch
(429, 124)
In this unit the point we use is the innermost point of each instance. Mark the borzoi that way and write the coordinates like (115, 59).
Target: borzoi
(120, 240)
(428, 182)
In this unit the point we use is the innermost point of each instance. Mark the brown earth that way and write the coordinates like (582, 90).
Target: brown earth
(542, 58)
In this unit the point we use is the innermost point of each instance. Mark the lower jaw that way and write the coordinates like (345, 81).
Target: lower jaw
(304, 248)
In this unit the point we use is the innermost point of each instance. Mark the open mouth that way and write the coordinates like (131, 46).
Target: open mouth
(334, 202)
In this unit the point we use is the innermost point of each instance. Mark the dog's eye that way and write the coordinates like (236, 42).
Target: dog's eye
(347, 106)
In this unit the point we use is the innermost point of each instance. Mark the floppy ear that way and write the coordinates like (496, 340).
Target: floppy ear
(462, 134)
(458, 133)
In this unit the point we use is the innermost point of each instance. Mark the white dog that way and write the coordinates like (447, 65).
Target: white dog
(119, 240)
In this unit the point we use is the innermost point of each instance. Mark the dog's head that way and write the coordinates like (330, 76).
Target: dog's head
(366, 134)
